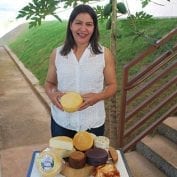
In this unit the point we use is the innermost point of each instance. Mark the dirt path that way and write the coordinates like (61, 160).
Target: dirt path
(24, 120)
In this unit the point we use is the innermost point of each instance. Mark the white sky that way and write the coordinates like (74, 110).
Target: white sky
(9, 10)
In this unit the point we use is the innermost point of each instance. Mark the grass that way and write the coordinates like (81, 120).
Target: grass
(34, 46)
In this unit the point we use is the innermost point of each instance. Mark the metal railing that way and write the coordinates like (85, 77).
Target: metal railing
(135, 87)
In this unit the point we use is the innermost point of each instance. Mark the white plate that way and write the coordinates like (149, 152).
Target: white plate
(121, 166)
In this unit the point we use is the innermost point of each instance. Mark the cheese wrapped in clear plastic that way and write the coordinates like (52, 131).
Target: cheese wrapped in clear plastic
(48, 164)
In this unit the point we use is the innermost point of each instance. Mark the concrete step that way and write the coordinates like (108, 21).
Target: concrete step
(161, 151)
(169, 129)
(141, 167)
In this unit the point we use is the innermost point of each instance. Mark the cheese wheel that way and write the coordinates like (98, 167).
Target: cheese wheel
(48, 164)
(71, 101)
(113, 154)
(77, 159)
(83, 141)
(96, 156)
(101, 142)
(62, 153)
(61, 142)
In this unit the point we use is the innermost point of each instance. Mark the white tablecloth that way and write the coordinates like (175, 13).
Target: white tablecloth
(121, 166)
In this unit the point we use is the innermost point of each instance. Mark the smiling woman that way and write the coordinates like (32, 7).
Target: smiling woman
(84, 66)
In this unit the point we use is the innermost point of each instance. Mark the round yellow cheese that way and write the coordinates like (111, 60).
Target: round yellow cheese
(71, 101)
(83, 141)
(48, 164)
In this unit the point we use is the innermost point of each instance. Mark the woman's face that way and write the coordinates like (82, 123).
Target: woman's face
(82, 28)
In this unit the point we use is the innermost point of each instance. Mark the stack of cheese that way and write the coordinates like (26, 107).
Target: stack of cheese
(85, 153)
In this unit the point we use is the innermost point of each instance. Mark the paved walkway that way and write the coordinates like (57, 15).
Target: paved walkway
(24, 119)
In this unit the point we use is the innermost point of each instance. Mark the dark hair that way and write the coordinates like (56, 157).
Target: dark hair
(69, 41)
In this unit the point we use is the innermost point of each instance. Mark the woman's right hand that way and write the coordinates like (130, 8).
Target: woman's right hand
(55, 98)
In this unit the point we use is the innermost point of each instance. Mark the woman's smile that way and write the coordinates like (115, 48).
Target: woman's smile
(82, 28)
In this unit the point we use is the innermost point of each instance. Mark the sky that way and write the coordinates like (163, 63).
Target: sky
(9, 10)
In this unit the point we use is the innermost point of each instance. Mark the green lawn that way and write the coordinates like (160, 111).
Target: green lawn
(34, 46)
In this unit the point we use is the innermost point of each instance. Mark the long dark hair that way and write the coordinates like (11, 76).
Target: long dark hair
(69, 41)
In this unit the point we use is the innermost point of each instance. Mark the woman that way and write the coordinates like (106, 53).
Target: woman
(81, 65)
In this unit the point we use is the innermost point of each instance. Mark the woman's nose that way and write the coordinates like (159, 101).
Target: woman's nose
(83, 27)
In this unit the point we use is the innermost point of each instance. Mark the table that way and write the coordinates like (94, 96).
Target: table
(121, 165)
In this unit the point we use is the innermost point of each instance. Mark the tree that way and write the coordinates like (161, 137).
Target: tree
(37, 10)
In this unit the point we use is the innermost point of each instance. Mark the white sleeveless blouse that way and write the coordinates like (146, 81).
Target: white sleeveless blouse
(83, 76)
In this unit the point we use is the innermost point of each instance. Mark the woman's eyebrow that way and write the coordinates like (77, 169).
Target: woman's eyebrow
(77, 20)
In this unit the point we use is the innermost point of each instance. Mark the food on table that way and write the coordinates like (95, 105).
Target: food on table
(113, 154)
(86, 171)
(77, 159)
(62, 153)
(106, 170)
(101, 142)
(61, 142)
(71, 101)
(96, 156)
(83, 141)
(82, 156)
(48, 164)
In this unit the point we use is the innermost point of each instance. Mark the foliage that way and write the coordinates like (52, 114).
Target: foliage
(99, 11)
(146, 2)
(75, 2)
(107, 12)
(136, 21)
(38, 10)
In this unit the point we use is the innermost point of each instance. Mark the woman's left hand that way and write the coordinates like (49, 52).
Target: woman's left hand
(89, 100)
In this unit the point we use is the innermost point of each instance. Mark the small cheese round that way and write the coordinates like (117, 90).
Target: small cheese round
(62, 153)
(71, 101)
(96, 156)
(77, 159)
(101, 142)
(61, 142)
(48, 164)
(83, 141)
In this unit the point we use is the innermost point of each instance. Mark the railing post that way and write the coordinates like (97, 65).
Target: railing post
(121, 121)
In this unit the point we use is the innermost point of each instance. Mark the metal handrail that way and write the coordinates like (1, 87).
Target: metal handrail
(130, 84)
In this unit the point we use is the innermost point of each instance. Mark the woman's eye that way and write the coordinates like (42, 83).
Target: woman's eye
(89, 24)
(77, 23)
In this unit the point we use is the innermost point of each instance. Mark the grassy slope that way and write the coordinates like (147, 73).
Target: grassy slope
(34, 46)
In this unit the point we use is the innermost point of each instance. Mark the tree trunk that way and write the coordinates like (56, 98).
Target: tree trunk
(112, 103)
(114, 28)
